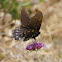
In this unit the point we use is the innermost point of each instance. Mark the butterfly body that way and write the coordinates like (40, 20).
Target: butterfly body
(30, 26)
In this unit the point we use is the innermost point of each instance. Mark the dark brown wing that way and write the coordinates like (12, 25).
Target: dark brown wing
(25, 19)
(36, 20)
(21, 32)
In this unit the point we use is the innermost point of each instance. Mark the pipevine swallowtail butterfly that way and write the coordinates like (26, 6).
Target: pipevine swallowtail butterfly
(30, 26)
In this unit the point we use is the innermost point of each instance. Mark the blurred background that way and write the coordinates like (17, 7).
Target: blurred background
(51, 31)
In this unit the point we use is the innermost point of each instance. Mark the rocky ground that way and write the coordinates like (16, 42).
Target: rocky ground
(51, 35)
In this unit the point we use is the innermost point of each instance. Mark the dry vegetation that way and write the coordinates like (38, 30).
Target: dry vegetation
(51, 35)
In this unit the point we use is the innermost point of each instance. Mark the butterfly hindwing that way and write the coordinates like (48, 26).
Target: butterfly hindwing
(21, 32)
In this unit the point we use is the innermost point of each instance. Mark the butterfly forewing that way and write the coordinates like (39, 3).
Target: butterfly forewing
(25, 19)
(36, 20)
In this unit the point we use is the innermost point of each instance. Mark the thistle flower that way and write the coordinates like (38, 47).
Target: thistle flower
(35, 46)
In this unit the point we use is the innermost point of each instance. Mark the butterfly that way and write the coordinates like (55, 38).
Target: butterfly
(30, 26)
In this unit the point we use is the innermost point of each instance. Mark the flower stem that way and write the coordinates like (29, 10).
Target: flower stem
(38, 56)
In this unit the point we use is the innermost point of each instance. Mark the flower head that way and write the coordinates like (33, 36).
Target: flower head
(35, 46)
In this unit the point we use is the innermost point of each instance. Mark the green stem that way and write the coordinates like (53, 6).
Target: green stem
(38, 56)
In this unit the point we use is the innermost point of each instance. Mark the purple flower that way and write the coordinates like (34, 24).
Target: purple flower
(35, 46)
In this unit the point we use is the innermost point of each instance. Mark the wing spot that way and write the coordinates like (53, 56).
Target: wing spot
(16, 36)
(16, 33)
(24, 32)
(22, 35)
(32, 30)
(28, 31)
(16, 30)
(32, 35)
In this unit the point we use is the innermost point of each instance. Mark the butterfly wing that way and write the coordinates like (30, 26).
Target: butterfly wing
(33, 22)
(34, 25)
(21, 32)
(30, 27)
(25, 19)
(36, 21)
